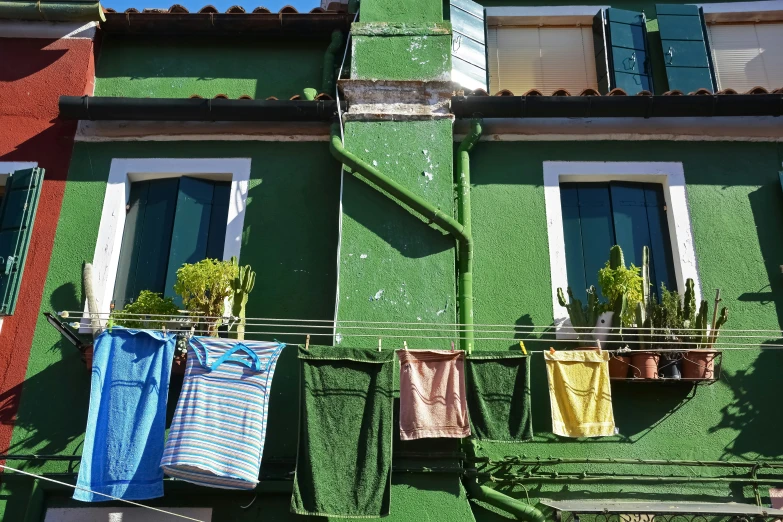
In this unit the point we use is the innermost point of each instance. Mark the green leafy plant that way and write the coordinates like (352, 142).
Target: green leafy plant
(616, 280)
(241, 287)
(147, 304)
(676, 319)
(204, 288)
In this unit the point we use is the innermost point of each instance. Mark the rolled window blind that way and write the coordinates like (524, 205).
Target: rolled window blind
(543, 58)
(747, 55)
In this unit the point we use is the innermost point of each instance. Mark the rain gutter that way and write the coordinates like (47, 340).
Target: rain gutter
(73, 11)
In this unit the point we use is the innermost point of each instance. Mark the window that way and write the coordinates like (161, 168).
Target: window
(747, 55)
(567, 47)
(21, 190)
(169, 222)
(543, 58)
(124, 173)
(621, 195)
(599, 215)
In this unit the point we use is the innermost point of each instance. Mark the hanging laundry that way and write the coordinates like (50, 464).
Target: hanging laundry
(580, 393)
(126, 422)
(217, 435)
(343, 466)
(498, 385)
(432, 394)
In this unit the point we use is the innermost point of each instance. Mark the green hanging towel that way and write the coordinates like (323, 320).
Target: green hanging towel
(499, 396)
(343, 466)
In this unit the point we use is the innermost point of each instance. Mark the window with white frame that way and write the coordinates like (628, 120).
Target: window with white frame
(624, 203)
(207, 196)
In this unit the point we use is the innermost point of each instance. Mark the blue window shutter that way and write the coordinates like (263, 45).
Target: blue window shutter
(146, 239)
(629, 215)
(661, 260)
(572, 235)
(191, 223)
(17, 215)
(216, 239)
(684, 47)
(468, 45)
(626, 54)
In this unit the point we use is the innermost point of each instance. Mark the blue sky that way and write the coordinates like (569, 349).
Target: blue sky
(221, 5)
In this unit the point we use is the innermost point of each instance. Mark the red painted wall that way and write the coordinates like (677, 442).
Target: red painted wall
(34, 73)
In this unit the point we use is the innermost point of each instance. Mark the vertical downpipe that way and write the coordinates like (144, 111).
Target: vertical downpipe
(465, 279)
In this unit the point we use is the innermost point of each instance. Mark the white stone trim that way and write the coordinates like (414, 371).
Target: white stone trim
(669, 174)
(543, 15)
(765, 10)
(124, 171)
(48, 30)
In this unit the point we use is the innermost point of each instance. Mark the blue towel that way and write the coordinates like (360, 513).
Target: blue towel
(126, 424)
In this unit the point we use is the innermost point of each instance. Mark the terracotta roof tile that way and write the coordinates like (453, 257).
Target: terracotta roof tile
(621, 92)
(320, 97)
(211, 9)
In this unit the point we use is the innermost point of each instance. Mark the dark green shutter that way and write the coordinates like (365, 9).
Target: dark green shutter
(216, 239)
(626, 63)
(684, 47)
(191, 221)
(572, 235)
(146, 239)
(17, 214)
(661, 259)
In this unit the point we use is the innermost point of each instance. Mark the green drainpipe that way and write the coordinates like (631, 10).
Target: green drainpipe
(494, 497)
(52, 11)
(309, 94)
(461, 233)
(327, 83)
(466, 255)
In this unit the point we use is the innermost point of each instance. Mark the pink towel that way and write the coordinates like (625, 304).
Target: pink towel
(432, 394)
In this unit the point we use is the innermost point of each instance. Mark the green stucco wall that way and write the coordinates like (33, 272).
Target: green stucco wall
(415, 57)
(410, 11)
(736, 205)
(159, 67)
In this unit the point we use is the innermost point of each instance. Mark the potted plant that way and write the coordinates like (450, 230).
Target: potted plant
(627, 288)
(205, 287)
(699, 361)
(584, 318)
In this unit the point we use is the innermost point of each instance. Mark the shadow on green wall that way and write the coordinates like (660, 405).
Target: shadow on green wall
(754, 412)
(765, 203)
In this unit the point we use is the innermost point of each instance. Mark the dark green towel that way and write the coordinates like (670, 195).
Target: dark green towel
(499, 396)
(343, 467)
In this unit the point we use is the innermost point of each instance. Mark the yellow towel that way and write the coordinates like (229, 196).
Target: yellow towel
(580, 393)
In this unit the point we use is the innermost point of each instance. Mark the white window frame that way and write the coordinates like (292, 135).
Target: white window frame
(669, 174)
(122, 173)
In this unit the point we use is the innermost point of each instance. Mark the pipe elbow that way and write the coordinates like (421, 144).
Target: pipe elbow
(495, 498)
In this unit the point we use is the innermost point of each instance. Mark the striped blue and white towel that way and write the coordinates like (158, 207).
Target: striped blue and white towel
(217, 435)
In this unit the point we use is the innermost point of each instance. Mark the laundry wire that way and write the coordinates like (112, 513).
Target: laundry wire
(49, 479)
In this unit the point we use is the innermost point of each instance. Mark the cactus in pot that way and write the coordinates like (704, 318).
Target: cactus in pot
(583, 318)
(241, 287)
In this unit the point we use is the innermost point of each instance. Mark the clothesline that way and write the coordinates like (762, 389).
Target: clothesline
(329, 324)
(73, 486)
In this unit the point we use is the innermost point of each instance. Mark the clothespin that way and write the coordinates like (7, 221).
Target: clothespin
(405, 344)
(164, 329)
(598, 341)
(379, 344)
(522, 347)
(452, 346)
(307, 342)
(192, 331)
(551, 350)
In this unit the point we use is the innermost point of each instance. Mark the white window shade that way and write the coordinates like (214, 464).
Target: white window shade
(747, 55)
(543, 58)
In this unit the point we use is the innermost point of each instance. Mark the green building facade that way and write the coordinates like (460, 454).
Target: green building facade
(356, 264)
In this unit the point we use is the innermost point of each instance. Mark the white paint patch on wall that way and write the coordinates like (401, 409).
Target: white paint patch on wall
(668, 174)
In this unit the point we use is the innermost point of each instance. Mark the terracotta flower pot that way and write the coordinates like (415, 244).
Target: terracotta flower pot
(618, 366)
(644, 365)
(699, 364)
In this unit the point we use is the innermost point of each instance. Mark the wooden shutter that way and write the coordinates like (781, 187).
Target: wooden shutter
(216, 239)
(661, 259)
(595, 228)
(543, 58)
(684, 47)
(17, 215)
(146, 240)
(191, 221)
(624, 48)
(747, 55)
(468, 45)
(572, 235)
